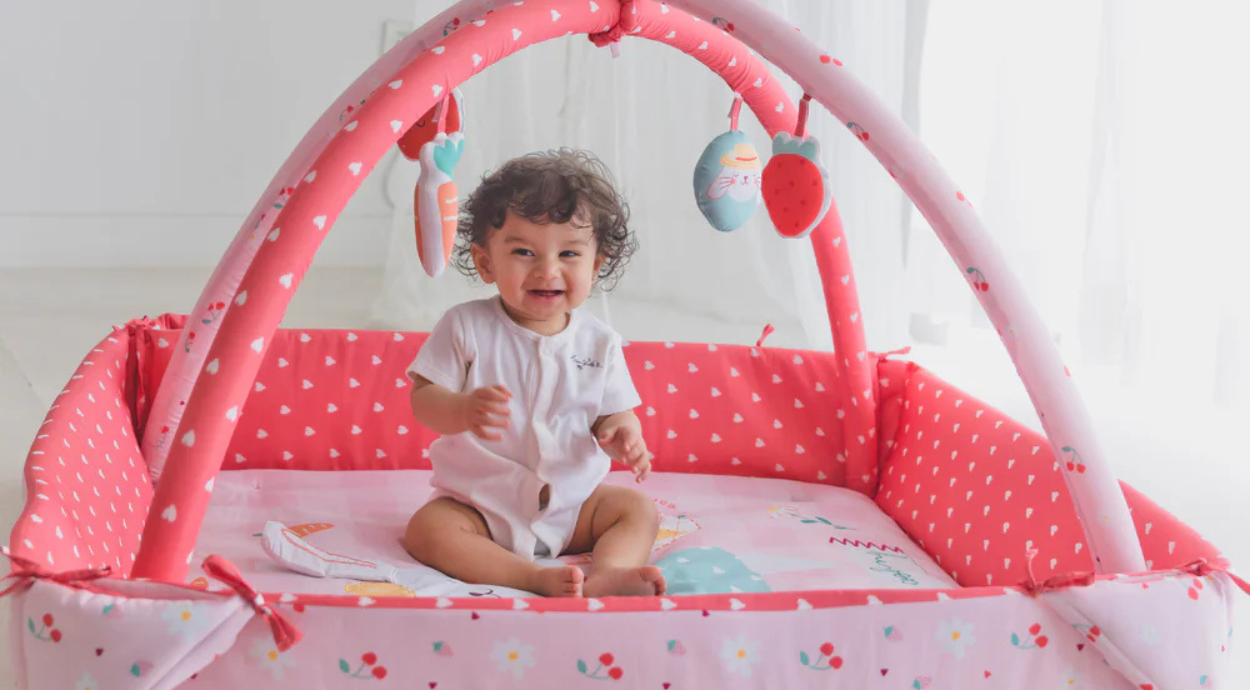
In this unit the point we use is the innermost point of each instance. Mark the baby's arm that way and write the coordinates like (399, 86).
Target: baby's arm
(484, 411)
(620, 436)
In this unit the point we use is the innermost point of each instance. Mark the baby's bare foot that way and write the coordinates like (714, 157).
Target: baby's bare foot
(643, 581)
(561, 581)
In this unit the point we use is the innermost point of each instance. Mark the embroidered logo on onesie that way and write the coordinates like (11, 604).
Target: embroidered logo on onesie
(583, 362)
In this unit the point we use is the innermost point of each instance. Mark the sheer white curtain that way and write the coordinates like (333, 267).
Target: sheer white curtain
(1105, 146)
(648, 115)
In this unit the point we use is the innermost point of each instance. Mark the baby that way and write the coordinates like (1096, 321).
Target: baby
(529, 393)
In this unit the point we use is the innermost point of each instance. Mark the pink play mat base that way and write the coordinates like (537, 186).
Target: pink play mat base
(718, 534)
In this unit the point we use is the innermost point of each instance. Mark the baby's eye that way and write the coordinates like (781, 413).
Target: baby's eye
(569, 254)
(522, 252)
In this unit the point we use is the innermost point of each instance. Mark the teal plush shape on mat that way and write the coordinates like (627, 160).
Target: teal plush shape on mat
(708, 570)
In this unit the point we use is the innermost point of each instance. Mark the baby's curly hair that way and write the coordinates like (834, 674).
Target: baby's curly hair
(561, 186)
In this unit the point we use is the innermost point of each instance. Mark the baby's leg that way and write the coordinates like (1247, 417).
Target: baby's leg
(452, 537)
(620, 525)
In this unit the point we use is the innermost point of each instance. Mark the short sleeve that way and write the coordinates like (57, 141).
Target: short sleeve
(619, 393)
(443, 358)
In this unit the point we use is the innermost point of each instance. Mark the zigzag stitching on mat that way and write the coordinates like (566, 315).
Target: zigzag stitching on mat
(864, 544)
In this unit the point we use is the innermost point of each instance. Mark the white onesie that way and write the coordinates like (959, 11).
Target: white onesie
(560, 385)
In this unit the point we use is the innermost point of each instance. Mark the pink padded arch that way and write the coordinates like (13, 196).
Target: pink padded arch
(1095, 492)
(232, 361)
(193, 344)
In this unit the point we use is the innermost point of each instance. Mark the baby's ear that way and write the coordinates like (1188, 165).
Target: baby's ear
(599, 259)
(481, 260)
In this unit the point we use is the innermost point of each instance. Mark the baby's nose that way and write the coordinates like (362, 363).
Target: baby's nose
(548, 268)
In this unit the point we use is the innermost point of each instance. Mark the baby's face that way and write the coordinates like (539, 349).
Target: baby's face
(542, 271)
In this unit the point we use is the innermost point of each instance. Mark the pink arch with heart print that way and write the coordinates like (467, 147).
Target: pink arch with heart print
(1098, 500)
(265, 263)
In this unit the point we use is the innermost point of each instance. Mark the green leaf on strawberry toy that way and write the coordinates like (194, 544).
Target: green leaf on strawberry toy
(806, 147)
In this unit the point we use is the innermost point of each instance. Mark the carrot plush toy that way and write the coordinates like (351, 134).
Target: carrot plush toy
(436, 200)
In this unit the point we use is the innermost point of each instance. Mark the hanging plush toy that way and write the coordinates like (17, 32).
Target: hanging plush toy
(727, 177)
(436, 201)
(796, 190)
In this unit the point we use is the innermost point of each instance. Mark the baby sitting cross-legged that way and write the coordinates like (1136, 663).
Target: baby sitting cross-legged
(532, 396)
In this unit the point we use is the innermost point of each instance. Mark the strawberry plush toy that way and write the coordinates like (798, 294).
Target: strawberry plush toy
(796, 187)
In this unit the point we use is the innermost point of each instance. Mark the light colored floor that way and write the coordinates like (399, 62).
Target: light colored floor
(1183, 458)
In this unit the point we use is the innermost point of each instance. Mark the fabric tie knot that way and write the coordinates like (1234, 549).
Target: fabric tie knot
(1061, 581)
(26, 572)
(285, 634)
(1201, 567)
(625, 23)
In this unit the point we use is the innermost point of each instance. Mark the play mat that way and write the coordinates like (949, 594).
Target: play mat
(718, 535)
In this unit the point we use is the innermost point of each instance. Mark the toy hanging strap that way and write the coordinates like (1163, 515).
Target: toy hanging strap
(438, 116)
(734, 111)
(801, 128)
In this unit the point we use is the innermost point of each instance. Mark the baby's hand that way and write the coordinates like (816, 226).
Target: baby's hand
(625, 444)
(486, 411)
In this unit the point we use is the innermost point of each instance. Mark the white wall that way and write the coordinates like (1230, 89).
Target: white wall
(141, 132)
